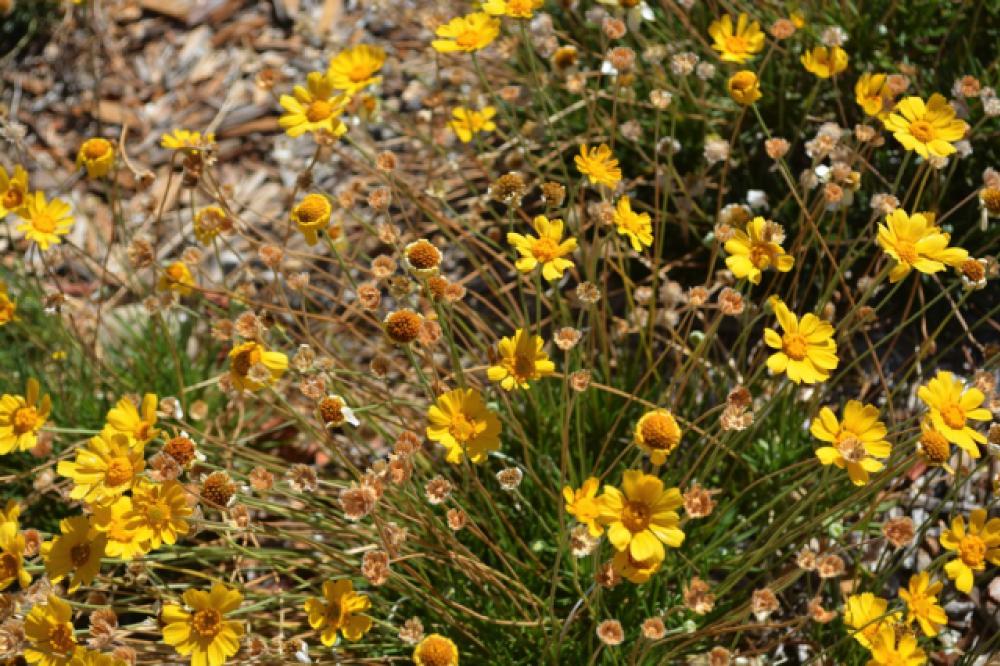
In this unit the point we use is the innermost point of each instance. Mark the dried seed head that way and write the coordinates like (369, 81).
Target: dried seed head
(218, 490)
(509, 189)
(412, 631)
(510, 478)
(383, 266)
(697, 596)
(830, 566)
(566, 338)
(261, 480)
(302, 478)
(776, 148)
(369, 295)
(375, 567)
(181, 449)
(358, 502)
(553, 194)
(653, 629)
(763, 603)
(386, 161)
(899, 531)
(610, 632)
(698, 502)
(403, 326)
(380, 199)
(457, 519)
(438, 490)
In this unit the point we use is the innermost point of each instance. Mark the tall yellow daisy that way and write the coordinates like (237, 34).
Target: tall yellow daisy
(8, 306)
(313, 108)
(641, 516)
(12, 556)
(435, 650)
(312, 216)
(14, 191)
(744, 87)
(658, 434)
(461, 422)
(866, 614)
(201, 629)
(922, 606)
(465, 123)
(929, 129)
(892, 648)
(472, 32)
(105, 467)
(637, 227)
(252, 366)
(22, 417)
(523, 9)
(753, 251)
(825, 62)
(737, 44)
(857, 440)
(974, 547)
(872, 94)
(76, 552)
(952, 406)
(583, 504)
(547, 249)
(45, 222)
(187, 141)
(48, 629)
(599, 165)
(521, 361)
(139, 422)
(124, 540)
(915, 242)
(633, 570)
(806, 350)
(176, 277)
(339, 611)
(160, 510)
(97, 156)
(354, 68)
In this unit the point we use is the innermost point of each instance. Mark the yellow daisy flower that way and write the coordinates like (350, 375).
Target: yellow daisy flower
(85, 657)
(202, 631)
(12, 556)
(245, 357)
(354, 69)
(45, 221)
(472, 32)
(866, 613)
(633, 570)
(744, 87)
(435, 650)
(77, 551)
(8, 307)
(857, 440)
(97, 156)
(107, 466)
(187, 141)
(640, 517)
(338, 611)
(125, 541)
(658, 434)
(806, 351)
(929, 129)
(313, 108)
(160, 510)
(467, 122)
(461, 422)
(311, 216)
(176, 277)
(638, 227)
(922, 603)
(737, 45)
(952, 407)
(934, 447)
(914, 241)
(521, 361)
(21, 417)
(825, 62)
(583, 505)
(872, 94)
(547, 249)
(753, 251)
(523, 9)
(598, 165)
(138, 422)
(209, 222)
(48, 629)
(890, 648)
(975, 546)
(14, 191)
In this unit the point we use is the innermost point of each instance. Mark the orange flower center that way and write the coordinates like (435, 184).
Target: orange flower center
(119, 471)
(61, 639)
(545, 250)
(331, 410)
(972, 550)
(96, 148)
(761, 255)
(312, 209)
(319, 110)
(659, 431)
(520, 8)
(13, 198)
(79, 554)
(735, 44)
(468, 39)
(953, 416)
(795, 346)
(157, 514)
(25, 419)
(524, 365)
(245, 360)
(8, 567)
(207, 622)
(180, 449)
(436, 651)
(922, 131)
(635, 516)
(461, 428)
(934, 446)
(973, 270)
(44, 223)
(422, 255)
(907, 251)
(359, 72)
(334, 612)
(990, 197)
(851, 448)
